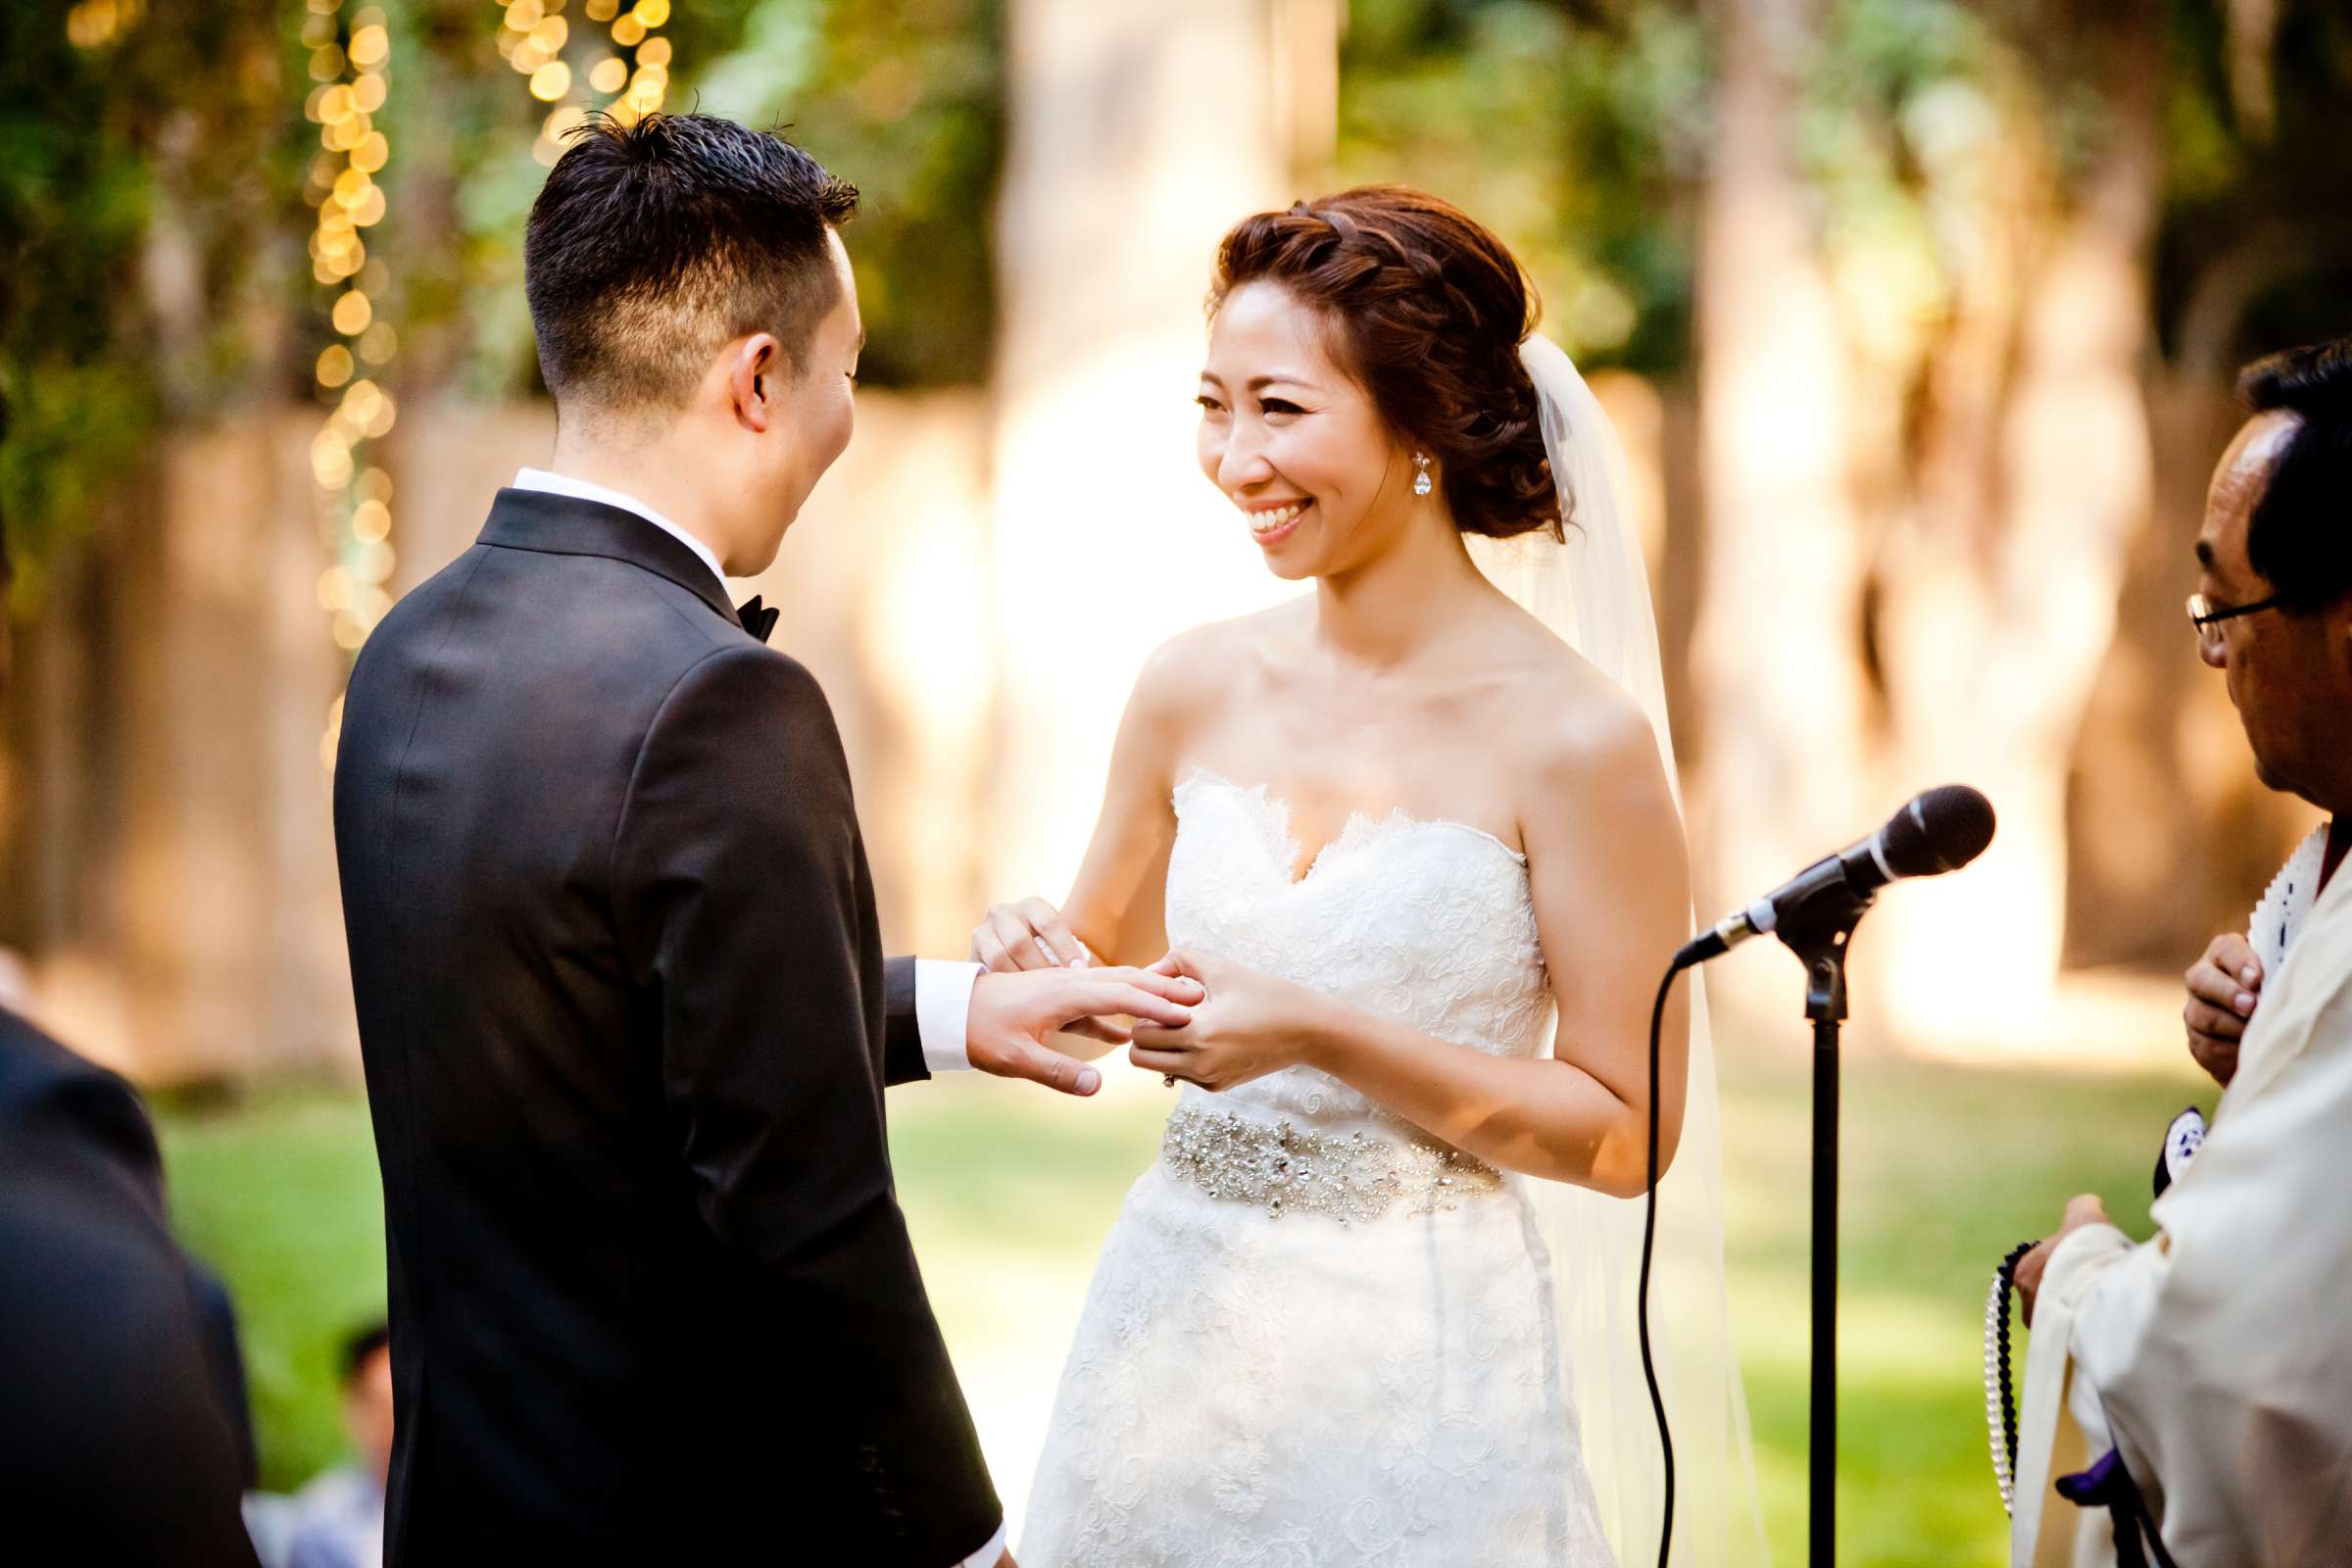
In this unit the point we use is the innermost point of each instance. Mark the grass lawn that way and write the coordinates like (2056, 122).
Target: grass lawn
(1010, 1193)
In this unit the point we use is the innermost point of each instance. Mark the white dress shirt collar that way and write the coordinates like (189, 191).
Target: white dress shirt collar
(564, 484)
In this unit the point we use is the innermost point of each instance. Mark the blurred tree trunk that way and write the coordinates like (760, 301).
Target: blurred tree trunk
(1778, 651)
(1921, 516)
(1998, 589)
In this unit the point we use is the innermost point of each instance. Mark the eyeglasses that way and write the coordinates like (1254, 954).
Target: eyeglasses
(2204, 614)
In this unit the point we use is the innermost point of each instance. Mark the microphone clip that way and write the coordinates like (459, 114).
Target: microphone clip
(1817, 924)
(1825, 968)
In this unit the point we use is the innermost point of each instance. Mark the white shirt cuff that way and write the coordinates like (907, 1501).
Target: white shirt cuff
(989, 1556)
(942, 1005)
(986, 1558)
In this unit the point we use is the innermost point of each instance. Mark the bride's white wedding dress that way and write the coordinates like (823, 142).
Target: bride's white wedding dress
(1315, 1338)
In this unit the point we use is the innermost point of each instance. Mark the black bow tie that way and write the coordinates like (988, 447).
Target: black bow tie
(756, 621)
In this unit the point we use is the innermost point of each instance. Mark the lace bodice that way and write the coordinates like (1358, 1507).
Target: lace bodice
(1423, 921)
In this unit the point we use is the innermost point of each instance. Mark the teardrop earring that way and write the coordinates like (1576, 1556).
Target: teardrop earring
(1421, 484)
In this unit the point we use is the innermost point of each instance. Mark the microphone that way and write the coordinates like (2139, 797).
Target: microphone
(1939, 830)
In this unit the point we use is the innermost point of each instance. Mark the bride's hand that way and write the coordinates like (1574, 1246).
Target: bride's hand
(1032, 935)
(1028, 935)
(1249, 1024)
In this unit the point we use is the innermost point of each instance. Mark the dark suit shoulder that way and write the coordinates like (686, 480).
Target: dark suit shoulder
(112, 1427)
(53, 1099)
(417, 611)
(741, 753)
(752, 690)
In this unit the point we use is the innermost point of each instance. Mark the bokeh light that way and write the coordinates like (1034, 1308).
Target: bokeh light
(354, 511)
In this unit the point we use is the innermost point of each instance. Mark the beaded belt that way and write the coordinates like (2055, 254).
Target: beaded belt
(1288, 1169)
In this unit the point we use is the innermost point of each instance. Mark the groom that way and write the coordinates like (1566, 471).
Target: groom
(622, 1003)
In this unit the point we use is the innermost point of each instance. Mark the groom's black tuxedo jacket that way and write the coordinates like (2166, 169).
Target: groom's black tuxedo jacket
(626, 1025)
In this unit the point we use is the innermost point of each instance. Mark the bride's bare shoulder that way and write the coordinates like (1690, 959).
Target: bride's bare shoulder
(1210, 664)
(1571, 725)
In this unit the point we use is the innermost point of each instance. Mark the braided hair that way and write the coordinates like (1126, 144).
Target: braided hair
(1428, 310)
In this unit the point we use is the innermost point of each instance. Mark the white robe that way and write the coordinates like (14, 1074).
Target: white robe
(2217, 1355)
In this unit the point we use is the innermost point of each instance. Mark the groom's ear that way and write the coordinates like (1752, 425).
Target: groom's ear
(753, 368)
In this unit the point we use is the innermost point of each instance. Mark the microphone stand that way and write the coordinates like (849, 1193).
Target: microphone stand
(1821, 937)
(1814, 915)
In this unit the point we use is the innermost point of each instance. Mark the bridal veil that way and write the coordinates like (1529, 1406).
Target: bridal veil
(1593, 590)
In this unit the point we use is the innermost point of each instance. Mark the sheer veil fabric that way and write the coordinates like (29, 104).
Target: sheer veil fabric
(1594, 591)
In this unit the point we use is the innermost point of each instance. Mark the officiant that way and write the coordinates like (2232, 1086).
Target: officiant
(2193, 1390)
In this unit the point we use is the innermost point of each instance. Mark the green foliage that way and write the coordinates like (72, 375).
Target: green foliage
(149, 183)
(1913, 108)
(2249, 204)
(150, 207)
(128, 201)
(906, 99)
(1577, 133)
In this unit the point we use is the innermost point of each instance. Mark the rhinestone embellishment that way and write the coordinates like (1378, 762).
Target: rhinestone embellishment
(1287, 1169)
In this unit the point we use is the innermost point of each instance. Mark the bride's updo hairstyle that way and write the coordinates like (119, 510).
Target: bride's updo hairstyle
(1426, 311)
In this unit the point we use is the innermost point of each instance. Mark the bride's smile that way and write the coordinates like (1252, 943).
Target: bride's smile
(1271, 523)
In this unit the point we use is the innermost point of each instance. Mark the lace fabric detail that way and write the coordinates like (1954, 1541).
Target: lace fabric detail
(1423, 921)
(1289, 1393)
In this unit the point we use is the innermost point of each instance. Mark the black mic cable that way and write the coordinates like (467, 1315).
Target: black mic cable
(1684, 959)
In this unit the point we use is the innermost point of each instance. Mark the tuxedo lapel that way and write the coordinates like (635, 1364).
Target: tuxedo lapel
(568, 526)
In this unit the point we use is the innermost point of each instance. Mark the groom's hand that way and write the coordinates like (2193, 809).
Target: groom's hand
(1015, 1014)
(1032, 935)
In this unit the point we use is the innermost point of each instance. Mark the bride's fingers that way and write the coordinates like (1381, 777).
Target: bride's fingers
(1163, 1037)
(1020, 940)
(1052, 934)
(1167, 1063)
(990, 954)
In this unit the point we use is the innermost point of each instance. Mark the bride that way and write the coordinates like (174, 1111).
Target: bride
(1426, 859)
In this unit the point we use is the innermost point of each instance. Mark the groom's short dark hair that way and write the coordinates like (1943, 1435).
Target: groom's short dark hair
(654, 244)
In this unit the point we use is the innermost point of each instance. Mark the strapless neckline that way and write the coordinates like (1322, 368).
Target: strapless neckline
(1360, 832)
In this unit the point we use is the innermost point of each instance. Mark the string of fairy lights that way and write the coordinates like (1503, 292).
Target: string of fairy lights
(632, 75)
(348, 60)
(349, 65)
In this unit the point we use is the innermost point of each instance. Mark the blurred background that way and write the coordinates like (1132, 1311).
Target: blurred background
(1920, 320)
